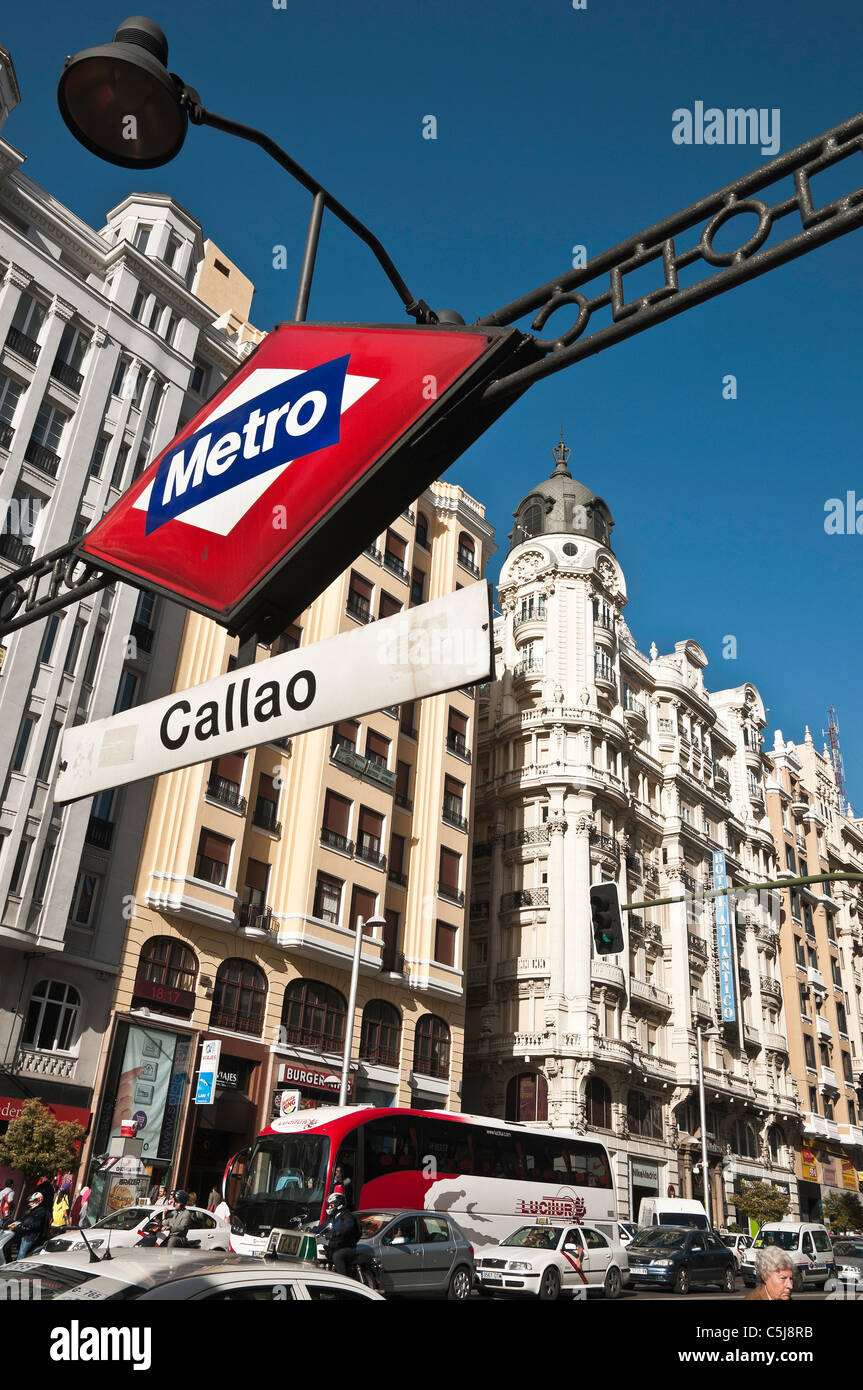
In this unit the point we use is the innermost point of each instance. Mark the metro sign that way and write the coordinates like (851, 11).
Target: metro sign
(322, 436)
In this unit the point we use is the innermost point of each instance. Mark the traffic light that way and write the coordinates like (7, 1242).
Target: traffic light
(606, 919)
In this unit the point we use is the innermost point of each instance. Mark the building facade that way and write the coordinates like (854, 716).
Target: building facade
(821, 945)
(597, 762)
(107, 350)
(255, 869)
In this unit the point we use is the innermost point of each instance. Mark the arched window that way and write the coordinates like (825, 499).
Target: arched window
(313, 1015)
(423, 530)
(776, 1144)
(644, 1115)
(527, 1097)
(381, 1036)
(52, 1016)
(744, 1140)
(530, 524)
(431, 1047)
(467, 553)
(167, 970)
(598, 1098)
(240, 997)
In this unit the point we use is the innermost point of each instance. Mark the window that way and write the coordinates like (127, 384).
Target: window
(84, 898)
(359, 604)
(169, 965)
(456, 739)
(403, 786)
(408, 719)
(119, 378)
(52, 1016)
(790, 858)
(431, 1047)
(841, 1019)
(29, 316)
(527, 1098)
(743, 1139)
(395, 550)
(221, 267)
(369, 833)
(377, 748)
(644, 1115)
(140, 383)
(381, 1036)
(847, 1071)
(213, 858)
(813, 1100)
(836, 971)
(20, 866)
(445, 939)
(127, 692)
(98, 458)
(422, 532)
(809, 1051)
(531, 524)
(257, 878)
(449, 877)
(47, 760)
(198, 380)
(398, 845)
(388, 606)
(336, 826)
(363, 905)
(795, 905)
(49, 426)
(174, 250)
(138, 307)
(267, 805)
(240, 997)
(418, 586)
(142, 236)
(776, 1144)
(41, 881)
(686, 812)
(93, 657)
(467, 553)
(804, 1000)
(313, 1015)
(10, 392)
(328, 898)
(345, 735)
(20, 754)
(453, 801)
(598, 1097)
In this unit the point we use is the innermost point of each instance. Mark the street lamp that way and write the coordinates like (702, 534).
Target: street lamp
(711, 1032)
(122, 104)
(352, 1001)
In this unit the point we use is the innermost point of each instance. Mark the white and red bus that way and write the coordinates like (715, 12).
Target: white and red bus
(490, 1176)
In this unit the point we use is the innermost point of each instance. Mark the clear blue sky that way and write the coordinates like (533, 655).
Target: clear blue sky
(554, 129)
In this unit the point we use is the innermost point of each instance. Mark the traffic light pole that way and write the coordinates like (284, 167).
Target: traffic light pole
(775, 886)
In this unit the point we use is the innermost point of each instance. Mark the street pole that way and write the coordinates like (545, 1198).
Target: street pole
(352, 1003)
(707, 1205)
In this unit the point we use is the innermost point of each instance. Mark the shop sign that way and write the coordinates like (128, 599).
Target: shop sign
(312, 1078)
(289, 1103)
(11, 1109)
(233, 1074)
(161, 994)
(808, 1165)
(643, 1173)
(849, 1176)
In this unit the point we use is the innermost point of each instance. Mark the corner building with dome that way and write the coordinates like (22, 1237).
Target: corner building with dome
(597, 762)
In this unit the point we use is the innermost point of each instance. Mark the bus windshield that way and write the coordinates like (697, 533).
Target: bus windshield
(285, 1179)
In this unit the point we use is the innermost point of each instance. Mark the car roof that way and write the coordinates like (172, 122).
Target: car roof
(150, 1266)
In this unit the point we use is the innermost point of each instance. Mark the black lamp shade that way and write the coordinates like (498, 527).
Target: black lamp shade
(120, 101)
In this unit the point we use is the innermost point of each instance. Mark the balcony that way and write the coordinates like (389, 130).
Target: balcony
(650, 994)
(61, 371)
(450, 894)
(226, 793)
(253, 917)
(405, 803)
(7, 434)
(452, 816)
(44, 459)
(43, 1063)
(373, 554)
(264, 817)
(634, 864)
(372, 771)
(456, 745)
(393, 962)
(535, 835)
(828, 1080)
(771, 987)
(409, 515)
(524, 897)
(479, 912)
(816, 979)
(397, 877)
(606, 844)
(24, 346)
(823, 1026)
(529, 614)
(776, 1042)
(466, 562)
(99, 832)
(532, 666)
(380, 1056)
(603, 972)
(636, 708)
(522, 968)
(697, 947)
(358, 608)
(369, 853)
(11, 548)
(331, 839)
(395, 566)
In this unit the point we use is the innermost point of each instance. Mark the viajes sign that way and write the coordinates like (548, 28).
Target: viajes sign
(302, 458)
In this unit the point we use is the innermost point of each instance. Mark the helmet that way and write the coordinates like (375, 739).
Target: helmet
(181, 1197)
(336, 1199)
(35, 1200)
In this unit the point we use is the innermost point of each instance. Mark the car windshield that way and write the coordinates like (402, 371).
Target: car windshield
(662, 1237)
(372, 1222)
(125, 1220)
(783, 1240)
(853, 1248)
(535, 1237)
(43, 1281)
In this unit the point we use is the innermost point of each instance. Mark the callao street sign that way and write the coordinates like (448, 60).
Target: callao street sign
(429, 649)
(324, 434)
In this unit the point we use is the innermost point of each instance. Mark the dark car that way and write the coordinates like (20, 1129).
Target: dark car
(419, 1252)
(680, 1258)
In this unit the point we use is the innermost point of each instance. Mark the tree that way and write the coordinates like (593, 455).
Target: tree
(843, 1211)
(37, 1144)
(761, 1201)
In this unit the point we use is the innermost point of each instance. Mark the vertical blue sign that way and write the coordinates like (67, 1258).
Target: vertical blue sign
(724, 944)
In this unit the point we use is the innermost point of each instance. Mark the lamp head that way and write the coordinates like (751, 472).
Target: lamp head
(120, 101)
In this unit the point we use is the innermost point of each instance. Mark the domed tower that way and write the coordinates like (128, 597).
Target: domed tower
(561, 506)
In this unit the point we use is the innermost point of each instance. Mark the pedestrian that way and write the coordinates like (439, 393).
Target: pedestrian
(60, 1214)
(214, 1198)
(32, 1228)
(78, 1216)
(222, 1211)
(775, 1269)
(7, 1204)
(181, 1221)
(192, 1199)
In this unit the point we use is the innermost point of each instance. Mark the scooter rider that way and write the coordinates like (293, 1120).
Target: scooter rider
(342, 1231)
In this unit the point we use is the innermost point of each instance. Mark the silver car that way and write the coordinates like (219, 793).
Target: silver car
(419, 1252)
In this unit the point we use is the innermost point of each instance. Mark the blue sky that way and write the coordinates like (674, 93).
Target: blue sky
(554, 129)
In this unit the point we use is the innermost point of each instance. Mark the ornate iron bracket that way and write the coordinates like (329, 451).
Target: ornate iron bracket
(68, 579)
(660, 243)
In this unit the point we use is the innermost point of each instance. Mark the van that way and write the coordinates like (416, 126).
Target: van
(806, 1242)
(672, 1211)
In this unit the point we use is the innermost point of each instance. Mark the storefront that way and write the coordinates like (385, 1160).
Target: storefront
(317, 1084)
(231, 1122)
(824, 1171)
(10, 1109)
(645, 1180)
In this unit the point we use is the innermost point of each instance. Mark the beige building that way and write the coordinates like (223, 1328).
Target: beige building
(255, 868)
(821, 945)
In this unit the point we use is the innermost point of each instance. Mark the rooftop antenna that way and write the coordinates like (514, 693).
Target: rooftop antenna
(832, 737)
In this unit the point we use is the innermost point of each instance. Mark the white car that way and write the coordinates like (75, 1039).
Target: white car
(547, 1260)
(125, 1228)
(738, 1245)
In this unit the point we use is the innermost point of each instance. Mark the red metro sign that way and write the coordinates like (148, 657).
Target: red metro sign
(322, 436)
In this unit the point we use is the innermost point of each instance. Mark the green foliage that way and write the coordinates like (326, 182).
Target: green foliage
(37, 1144)
(761, 1201)
(843, 1211)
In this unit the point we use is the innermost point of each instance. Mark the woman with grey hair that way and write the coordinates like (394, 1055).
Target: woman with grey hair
(775, 1269)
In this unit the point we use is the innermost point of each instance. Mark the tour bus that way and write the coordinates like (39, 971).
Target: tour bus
(490, 1176)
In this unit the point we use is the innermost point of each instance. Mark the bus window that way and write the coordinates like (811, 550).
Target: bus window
(390, 1146)
(344, 1171)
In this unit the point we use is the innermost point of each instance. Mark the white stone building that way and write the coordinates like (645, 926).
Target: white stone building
(598, 762)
